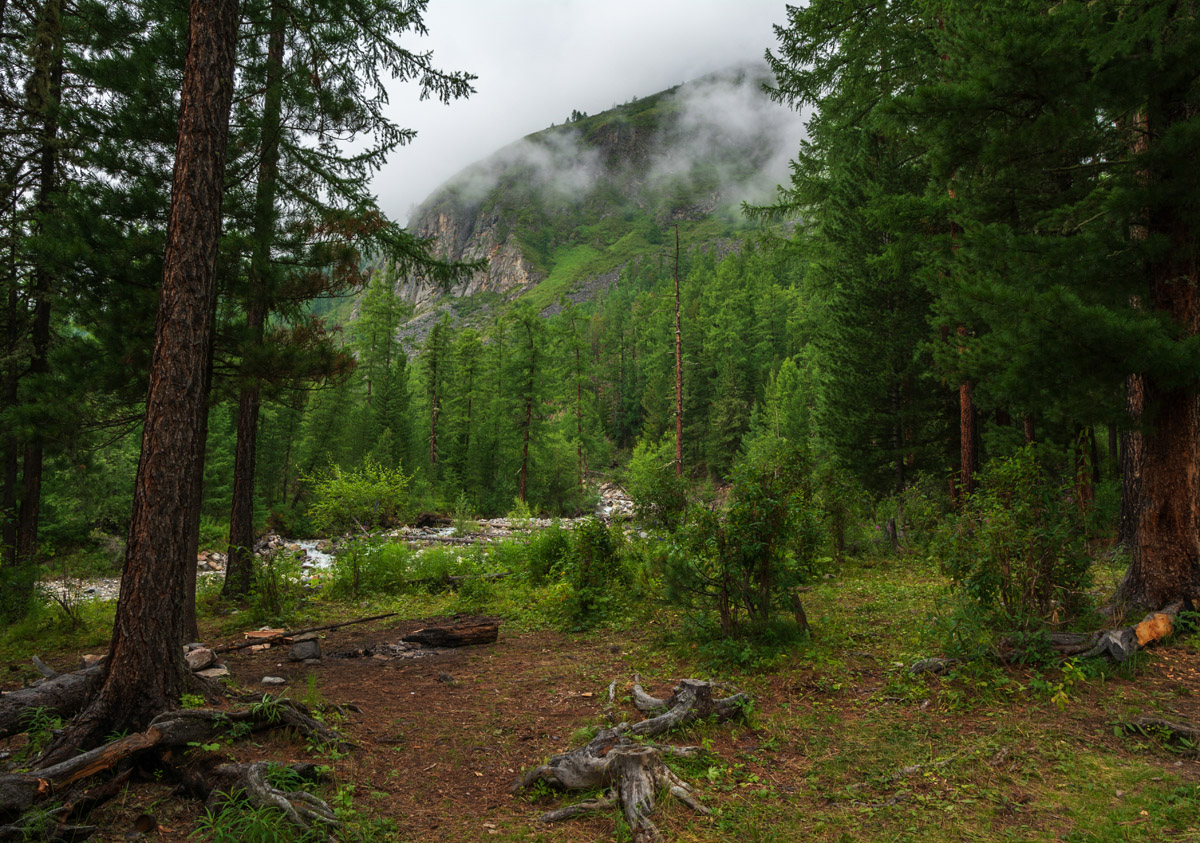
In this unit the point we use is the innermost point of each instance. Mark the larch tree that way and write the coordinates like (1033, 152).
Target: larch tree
(145, 671)
(315, 220)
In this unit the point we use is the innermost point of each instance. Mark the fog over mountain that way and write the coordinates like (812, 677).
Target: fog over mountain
(537, 60)
(706, 123)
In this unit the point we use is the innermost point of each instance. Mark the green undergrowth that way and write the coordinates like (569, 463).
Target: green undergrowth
(842, 742)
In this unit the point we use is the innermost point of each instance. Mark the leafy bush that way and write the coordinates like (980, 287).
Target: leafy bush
(1017, 549)
(18, 597)
(918, 512)
(746, 561)
(659, 496)
(546, 552)
(520, 516)
(277, 590)
(374, 567)
(594, 570)
(368, 497)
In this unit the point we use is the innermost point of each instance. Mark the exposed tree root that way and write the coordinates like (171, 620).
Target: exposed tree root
(631, 772)
(1182, 733)
(304, 810)
(21, 792)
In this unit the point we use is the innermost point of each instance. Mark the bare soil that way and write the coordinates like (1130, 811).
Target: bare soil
(440, 739)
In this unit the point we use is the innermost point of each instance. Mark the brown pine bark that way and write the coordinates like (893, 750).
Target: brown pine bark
(239, 565)
(44, 95)
(1131, 463)
(145, 665)
(1166, 549)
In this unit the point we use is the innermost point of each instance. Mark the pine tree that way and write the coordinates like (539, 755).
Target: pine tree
(145, 670)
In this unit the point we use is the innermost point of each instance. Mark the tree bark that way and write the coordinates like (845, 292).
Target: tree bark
(1166, 557)
(239, 567)
(146, 670)
(44, 95)
(1131, 463)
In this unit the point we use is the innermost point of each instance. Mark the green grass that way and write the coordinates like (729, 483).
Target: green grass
(842, 744)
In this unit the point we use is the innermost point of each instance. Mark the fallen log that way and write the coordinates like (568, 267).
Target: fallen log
(469, 634)
(1183, 733)
(1117, 644)
(628, 769)
(229, 648)
(62, 696)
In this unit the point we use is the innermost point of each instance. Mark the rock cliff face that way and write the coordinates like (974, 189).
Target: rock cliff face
(568, 207)
(469, 235)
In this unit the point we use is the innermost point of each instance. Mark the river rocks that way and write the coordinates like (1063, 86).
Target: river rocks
(304, 648)
(274, 680)
(210, 560)
(199, 659)
(615, 503)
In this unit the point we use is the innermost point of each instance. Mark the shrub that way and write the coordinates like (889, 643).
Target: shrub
(594, 570)
(368, 497)
(374, 567)
(1017, 549)
(546, 552)
(277, 590)
(659, 496)
(746, 561)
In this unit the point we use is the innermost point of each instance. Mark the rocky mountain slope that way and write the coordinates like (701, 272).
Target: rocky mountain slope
(561, 211)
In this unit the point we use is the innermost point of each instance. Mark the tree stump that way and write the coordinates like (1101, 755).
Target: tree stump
(632, 772)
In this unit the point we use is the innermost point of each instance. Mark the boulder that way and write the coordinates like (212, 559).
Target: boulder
(303, 650)
(200, 658)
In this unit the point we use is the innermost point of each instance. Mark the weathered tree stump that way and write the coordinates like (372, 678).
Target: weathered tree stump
(632, 772)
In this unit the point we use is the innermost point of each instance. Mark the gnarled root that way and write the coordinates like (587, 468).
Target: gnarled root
(173, 729)
(632, 772)
(302, 809)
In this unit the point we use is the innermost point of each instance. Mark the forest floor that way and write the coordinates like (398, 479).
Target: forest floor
(841, 743)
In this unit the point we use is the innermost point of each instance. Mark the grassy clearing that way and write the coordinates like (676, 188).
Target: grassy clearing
(842, 744)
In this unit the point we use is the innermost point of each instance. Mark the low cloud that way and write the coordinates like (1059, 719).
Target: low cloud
(724, 126)
(553, 162)
(730, 113)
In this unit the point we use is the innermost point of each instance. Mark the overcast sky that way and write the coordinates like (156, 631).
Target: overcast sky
(538, 59)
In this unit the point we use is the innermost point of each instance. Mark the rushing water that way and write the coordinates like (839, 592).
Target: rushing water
(320, 559)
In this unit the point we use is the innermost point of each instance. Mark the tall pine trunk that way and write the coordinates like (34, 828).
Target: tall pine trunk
(1166, 549)
(146, 673)
(45, 93)
(239, 565)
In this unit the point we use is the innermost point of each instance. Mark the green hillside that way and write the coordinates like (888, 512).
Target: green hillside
(584, 198)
